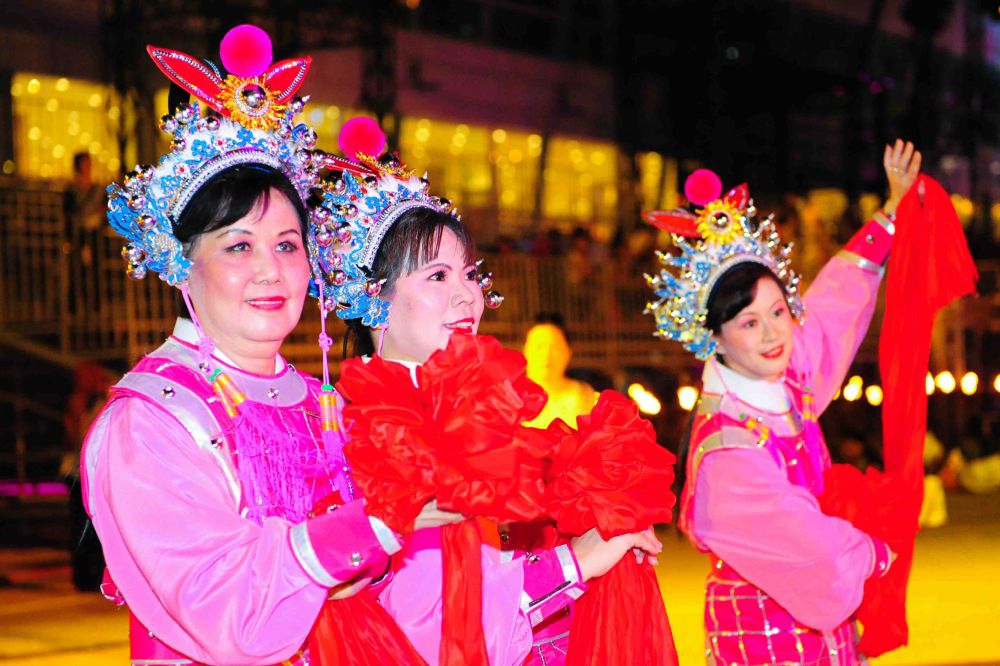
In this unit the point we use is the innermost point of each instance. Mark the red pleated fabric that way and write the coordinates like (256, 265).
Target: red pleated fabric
(456, 437)
(930, 266)
(613, 475)
(621, 620)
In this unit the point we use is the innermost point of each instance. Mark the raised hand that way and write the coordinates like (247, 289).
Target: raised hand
(902, 166)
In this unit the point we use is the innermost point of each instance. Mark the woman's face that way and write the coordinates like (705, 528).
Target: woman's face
(438, 299)
(757, 342)
(249, 279)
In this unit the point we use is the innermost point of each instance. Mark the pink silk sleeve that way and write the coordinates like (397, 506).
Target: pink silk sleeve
(204, 580)
(774, 534)
(839, 307)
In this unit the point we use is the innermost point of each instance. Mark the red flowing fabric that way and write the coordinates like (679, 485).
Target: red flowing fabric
(930, 267)
(463, 596)
(612, 475)
(456, 437)
(358, 631)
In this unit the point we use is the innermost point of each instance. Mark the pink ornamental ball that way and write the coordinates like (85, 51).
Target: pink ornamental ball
(361, 135)
(246, 51)
(702, 187)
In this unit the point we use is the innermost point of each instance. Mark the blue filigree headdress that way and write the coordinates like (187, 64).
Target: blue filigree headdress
(719, 236)
(254, 106)
(360, 203)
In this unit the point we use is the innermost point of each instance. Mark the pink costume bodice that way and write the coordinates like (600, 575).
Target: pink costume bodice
(785, 577)
(218, 566)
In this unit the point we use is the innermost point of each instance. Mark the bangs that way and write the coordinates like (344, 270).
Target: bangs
(425, 242)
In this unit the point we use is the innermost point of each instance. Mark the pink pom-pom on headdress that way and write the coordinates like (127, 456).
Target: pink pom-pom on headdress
(246, 51)
(361, 135)
(702, 187)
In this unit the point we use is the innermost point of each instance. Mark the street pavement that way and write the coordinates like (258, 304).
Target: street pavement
(954, 600)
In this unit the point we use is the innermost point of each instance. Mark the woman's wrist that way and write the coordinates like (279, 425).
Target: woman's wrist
(889, 208)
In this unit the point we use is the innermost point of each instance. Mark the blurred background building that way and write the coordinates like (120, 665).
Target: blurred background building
(551, 124)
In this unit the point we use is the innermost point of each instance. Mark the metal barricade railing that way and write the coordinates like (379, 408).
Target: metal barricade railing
(65, 286)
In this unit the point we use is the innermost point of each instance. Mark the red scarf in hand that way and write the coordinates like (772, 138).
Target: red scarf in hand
(930, 267)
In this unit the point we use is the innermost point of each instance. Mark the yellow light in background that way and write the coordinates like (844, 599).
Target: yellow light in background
(16, 90)
(852, 391)
(499, 135)
(874, 395)
(646, 401)
(687, 397)
(963, 206)
(95, 100)
(34, 85)
(8, 169)
(929, 384)
(35, 133)
(598, 157)
(52, 105)
(969, 383)
(58, 152)
(62, 85)
(945, 381)
(515, 156)
(422, 133)
(996, 380)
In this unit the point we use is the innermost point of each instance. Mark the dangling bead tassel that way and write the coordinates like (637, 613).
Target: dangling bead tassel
(205, 344)
(229, 395)
(333, 440)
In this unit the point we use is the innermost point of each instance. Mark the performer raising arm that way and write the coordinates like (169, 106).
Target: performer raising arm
(785, 578)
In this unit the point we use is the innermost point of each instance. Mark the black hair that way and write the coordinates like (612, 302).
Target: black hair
(412, 241)
(229, 196)
(735, 290)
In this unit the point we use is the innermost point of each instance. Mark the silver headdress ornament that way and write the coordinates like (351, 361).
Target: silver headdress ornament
(254, 105)
(721, 235)
(361, 201)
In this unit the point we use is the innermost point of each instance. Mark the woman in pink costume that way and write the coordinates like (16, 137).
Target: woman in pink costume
(202, 472)
(785, 577)
(406, 279)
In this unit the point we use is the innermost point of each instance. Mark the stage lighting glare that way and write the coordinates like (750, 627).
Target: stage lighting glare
(687, 397)
(646, 401)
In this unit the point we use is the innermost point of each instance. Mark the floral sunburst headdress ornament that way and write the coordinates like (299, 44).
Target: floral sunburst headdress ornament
(721, 234)
(252, 124)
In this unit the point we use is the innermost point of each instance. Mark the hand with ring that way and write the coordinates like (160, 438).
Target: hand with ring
(902, 166)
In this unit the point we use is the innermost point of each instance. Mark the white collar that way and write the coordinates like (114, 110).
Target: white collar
(762, 394)
(185, 331)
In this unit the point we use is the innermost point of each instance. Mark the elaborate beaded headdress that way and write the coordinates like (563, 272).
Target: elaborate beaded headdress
(360, 203)
(252, 124)
(720, 235)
